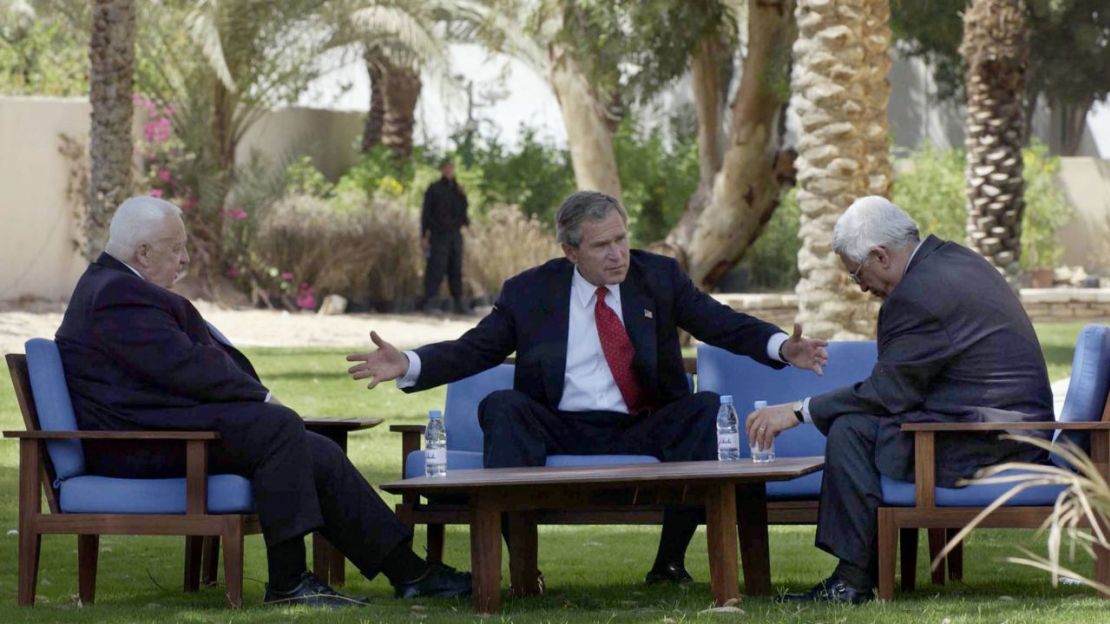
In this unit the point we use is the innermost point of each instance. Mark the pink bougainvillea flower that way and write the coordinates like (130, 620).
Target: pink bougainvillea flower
(287, 276)
(164, 174)
(234, 272)
(237, 214)
(306, 297)
(155, 192)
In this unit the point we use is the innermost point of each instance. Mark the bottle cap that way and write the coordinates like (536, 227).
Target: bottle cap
(760, 404)
(435, 414)
(726, 399)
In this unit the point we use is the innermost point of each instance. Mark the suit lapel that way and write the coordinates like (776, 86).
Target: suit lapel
(638, 312)
(553, 355)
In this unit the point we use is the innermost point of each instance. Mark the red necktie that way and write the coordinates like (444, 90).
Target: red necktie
(618, 354)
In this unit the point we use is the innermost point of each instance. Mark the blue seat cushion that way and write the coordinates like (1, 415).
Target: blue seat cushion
(599, 460)
(48, 385)
(91, 494)
(456, 460)
(901, 494)
(807, 487)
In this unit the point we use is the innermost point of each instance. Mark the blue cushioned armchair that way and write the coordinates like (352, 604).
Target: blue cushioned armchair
(921, 504)
(51, 458)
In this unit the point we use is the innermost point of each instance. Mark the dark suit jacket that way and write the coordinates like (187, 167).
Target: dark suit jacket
(531, 317)
(955, 345)
(131, 349)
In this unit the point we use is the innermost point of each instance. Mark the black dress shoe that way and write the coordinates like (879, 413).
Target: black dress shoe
(438, 581)
(833, 590)
(312, 592)
(671, 573)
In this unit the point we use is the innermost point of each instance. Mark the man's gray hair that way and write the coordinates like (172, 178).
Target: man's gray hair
(135, 221)
(871, 222)
(580, 206)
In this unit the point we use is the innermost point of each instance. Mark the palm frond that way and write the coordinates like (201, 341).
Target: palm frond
(202, 25)
(396, 26)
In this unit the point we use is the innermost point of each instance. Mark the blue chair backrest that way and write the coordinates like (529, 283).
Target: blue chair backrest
(461, 412)
(48, 385)
(749, 381)
(1090, 381)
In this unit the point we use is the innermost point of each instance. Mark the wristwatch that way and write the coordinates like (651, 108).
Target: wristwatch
(797, 407)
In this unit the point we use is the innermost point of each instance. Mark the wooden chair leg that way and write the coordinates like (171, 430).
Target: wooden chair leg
(88, 550)
(30, 543)
(233, 561)
(193, 544)
(955, 558)
(436, 538)
(936, 544)
(908, 553)
(888, 543)
(210, 561)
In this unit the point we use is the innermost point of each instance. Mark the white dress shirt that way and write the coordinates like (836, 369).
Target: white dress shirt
(588, 384)
(217, 334)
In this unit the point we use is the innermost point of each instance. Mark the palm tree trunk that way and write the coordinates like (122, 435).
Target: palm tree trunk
(709, 240)
(589, 128)
(995, 48)
(375, 118)
(401, 90)
(841, 60)
(111, 80)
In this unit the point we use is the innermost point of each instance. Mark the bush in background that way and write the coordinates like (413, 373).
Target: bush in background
(502, 244)
(367, 251)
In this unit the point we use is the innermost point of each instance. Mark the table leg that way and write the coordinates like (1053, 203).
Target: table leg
(523, 554)
(720, 528)
(485, 554)
(755, 553)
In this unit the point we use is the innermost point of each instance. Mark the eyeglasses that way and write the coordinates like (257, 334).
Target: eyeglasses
(855, 274)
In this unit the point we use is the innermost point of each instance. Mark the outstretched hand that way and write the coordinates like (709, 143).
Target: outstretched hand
(806, 352)
(385, 364)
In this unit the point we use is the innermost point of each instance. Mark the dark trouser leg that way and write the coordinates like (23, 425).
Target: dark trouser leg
(518, 431)
(436, 267)
(682, 431)
(454, 266)
(356, 520)
(847, 523)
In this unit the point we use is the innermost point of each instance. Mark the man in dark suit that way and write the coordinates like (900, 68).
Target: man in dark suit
(441, 221)
(955, 345)
(598, 362)
(138, 356)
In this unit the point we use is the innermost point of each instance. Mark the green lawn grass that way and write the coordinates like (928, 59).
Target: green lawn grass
(593, 574)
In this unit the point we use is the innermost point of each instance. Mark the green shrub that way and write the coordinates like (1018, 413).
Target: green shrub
(772, 261)
(303, 178)
(536, 176)
(657, 178)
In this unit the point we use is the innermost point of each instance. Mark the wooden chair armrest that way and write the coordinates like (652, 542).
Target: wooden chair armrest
(114, 435)
(407, 429)
(1004, 426)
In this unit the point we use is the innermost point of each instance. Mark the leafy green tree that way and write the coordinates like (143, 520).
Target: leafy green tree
(40, 53)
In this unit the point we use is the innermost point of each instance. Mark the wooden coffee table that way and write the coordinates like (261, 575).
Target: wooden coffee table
(732, 493)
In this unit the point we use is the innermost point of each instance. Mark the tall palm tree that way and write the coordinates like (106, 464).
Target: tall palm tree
(401, 39)
(840, 94)
(996, 52)
(111, 80)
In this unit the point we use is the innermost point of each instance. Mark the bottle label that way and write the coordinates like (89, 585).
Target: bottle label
(728, 440)
(435, 456)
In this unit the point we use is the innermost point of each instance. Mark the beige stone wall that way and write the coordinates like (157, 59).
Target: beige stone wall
(38, 257)
(38, 227)
(1086, 240)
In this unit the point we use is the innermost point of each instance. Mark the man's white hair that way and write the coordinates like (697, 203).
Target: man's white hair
(871, 222)
(136, 221)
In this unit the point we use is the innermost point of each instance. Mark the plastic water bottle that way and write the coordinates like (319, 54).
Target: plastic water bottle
(728, 431)
(435, 446)
(761, 455)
